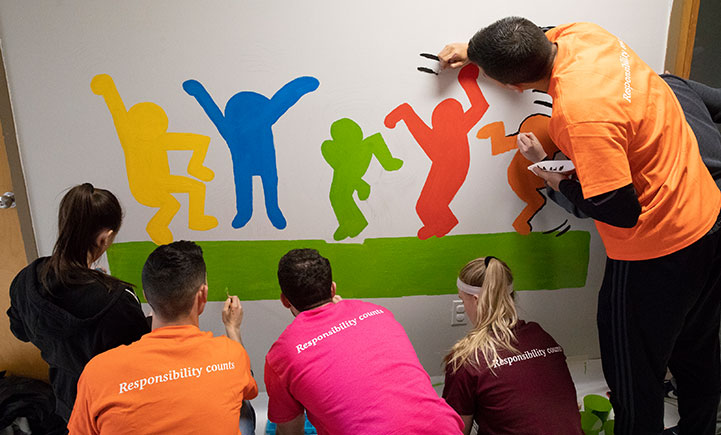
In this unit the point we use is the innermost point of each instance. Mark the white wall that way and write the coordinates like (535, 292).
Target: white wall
(363, 53)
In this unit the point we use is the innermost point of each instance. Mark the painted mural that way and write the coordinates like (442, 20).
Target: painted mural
(144, 136)
(524, 183)
(246, 126)
(349, 154)
(445, 142)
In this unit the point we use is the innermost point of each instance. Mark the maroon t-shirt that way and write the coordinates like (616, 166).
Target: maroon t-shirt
(530, 393)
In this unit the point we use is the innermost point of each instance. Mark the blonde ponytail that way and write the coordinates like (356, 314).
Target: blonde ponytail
(495, 317)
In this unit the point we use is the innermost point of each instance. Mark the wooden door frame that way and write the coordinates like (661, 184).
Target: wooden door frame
(7, 121)
(16, 357)
(681, 37)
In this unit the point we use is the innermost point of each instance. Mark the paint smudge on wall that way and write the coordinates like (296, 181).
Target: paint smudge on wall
(143, 134)
(446, 144)
(247, 127)
(523, 182)
(349, 154)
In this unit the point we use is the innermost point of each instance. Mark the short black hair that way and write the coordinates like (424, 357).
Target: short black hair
(172, 275)
(512, 50)
(305, 278)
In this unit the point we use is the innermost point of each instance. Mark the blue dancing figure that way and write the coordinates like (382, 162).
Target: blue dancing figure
(247, 128)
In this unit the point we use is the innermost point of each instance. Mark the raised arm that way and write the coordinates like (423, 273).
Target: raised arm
(103, 85)
(195, 89)
(496, 132)
(380, 149)
(289, 94)
(415, 124)
(468, 78)
(232, 317)
(198, 144)
(454, 55)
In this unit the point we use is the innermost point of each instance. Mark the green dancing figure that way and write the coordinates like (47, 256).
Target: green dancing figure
(350, 155)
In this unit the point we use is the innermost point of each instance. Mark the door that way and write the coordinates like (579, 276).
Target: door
(706, 60)
(18, 358)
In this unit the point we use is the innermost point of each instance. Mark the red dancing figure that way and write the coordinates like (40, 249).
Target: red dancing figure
(446, 144)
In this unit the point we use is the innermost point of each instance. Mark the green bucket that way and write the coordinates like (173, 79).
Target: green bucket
(608, 427)
(598, 405)
(590, 423)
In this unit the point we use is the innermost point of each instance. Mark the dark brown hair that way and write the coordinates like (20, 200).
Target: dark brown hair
(305, 278)
(172, 275)
(512, 50)
(84, 213)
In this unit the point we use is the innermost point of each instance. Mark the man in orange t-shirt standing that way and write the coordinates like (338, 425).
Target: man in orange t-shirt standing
(176, 379)
(640, 176)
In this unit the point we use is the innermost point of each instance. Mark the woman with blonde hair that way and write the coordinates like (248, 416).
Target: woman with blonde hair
(507, 375)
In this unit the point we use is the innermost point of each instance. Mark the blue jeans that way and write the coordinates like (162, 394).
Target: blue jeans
(247, 419)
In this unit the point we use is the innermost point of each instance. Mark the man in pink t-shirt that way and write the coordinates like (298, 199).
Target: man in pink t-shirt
(349, 364)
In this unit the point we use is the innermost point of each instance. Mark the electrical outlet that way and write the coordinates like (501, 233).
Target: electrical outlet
(458, 313)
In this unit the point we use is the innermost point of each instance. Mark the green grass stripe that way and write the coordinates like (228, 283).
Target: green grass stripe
(384, 267)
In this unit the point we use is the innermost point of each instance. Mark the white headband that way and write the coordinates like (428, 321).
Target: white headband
(473, 290)
(467, 288)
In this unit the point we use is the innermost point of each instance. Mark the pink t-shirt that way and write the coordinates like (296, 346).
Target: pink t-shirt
(351, 366)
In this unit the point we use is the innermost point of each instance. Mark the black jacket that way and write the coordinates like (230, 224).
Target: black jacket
(702, 106)
(71, 325)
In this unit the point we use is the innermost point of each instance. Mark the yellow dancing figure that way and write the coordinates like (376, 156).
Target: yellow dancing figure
(144, 136)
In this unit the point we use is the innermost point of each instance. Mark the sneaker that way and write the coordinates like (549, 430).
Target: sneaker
(671, 431)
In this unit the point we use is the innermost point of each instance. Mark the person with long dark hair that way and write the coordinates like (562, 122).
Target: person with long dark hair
(68, 309)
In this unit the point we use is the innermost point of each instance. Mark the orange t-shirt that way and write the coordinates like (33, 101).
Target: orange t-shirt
(619, 123)
(175, 379)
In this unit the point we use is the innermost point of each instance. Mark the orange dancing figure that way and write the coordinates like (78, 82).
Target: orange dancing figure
(446, 144)
(523, 182)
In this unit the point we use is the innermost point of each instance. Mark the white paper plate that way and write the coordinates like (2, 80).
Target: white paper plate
(553, 166)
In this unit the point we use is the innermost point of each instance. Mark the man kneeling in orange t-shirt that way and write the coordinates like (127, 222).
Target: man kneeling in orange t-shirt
(177, 378)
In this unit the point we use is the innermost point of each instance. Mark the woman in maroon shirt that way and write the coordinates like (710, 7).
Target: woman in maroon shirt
(507, 375)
